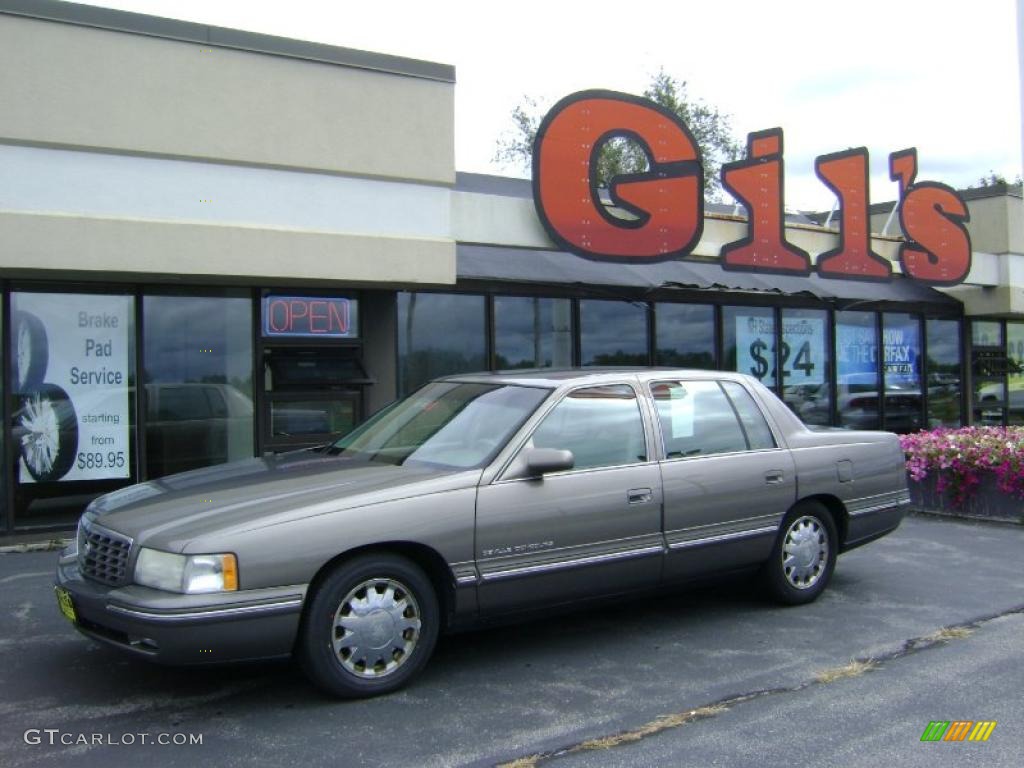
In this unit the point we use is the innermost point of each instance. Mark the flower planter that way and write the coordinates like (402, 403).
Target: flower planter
(987, 501)
(979, 469)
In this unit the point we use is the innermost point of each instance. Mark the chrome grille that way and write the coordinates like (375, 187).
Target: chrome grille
(103, 555)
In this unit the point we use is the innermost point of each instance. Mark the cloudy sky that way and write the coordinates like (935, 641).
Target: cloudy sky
(941, 76)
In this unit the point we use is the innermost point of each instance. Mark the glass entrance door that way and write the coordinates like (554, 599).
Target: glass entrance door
(303, 420)
(311, 396)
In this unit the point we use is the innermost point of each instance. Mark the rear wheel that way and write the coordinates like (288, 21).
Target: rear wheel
(370, 627)
(31, 351)
(804, 555)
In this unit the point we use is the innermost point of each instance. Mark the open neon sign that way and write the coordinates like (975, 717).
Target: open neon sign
(306, 316)
(667, 200)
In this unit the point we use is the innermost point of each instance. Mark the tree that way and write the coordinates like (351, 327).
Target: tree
(994, 180)
(710, 127)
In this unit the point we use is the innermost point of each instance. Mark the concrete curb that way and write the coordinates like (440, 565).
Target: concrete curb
(50, 545)
(943, 514)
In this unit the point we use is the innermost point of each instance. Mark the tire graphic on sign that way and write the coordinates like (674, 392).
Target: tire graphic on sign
(47, 429)
(31, 351)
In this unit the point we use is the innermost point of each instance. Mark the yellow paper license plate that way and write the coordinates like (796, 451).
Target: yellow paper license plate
(64, 601)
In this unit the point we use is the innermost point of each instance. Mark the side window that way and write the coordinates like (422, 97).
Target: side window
(602, 427)
(696, 419)
(759, 435)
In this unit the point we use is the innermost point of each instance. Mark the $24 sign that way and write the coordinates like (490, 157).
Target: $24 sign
(802, 349)
(803, 363)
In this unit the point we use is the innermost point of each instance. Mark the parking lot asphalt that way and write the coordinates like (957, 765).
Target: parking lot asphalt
(708, 676)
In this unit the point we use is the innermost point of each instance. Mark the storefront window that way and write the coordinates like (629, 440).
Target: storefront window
(986, 333)
(857, 370)
(686, 335)
(613, 332)
(72, 378)
(4, 511)
(532, 332)
(1015, 389)
(197, 357)
(439, 334)
(989, 398)
(989, 369)
(943, 373)
(806, 384)
(748, 336)
(901, 353)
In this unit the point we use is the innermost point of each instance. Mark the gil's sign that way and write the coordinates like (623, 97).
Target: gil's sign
(666, 202)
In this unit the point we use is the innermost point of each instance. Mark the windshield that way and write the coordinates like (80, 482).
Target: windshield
(448, 423)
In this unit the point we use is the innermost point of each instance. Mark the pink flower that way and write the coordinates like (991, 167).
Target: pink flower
(960, 457)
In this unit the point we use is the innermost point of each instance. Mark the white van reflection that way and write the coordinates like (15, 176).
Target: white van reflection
(193, 425)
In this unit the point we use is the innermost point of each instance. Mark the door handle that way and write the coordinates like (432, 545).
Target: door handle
(774, 477)
(639, 495)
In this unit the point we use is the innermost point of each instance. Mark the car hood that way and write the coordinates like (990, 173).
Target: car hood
(173, 510)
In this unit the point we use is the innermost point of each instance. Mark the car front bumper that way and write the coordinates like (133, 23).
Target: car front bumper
(175, 629)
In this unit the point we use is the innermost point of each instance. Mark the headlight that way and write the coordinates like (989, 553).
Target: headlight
(186, 573)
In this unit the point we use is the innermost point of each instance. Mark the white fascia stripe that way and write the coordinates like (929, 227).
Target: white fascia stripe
(96, 184)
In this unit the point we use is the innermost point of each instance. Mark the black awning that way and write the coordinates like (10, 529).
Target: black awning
(545, 267)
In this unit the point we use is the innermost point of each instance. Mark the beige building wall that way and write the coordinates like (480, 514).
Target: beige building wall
(995, 285)
(96, 88)
(989, 226)
(996, 224)
(170, 114)
(513, 221)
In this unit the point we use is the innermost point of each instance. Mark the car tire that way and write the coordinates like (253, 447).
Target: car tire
(47, 429)
(369, 627)
(31, 353)
(803, 556)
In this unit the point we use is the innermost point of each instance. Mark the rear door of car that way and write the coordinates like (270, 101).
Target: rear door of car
(727, 482)
(591, 530)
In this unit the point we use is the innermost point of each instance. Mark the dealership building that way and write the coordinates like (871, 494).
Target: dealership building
(216, 244)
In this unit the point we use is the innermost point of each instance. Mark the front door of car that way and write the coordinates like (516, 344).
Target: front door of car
(588, 531)
(727, 482)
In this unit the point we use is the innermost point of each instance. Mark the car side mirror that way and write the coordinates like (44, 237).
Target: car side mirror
(541, 461)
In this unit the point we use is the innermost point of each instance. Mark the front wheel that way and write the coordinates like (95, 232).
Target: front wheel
(370, 627)
(48, 428)
(804, 555)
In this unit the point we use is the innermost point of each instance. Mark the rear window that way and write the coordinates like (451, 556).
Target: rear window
(759, 434)
(703, 418)
(696, 419)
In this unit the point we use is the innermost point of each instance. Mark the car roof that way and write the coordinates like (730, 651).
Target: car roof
(557, 377)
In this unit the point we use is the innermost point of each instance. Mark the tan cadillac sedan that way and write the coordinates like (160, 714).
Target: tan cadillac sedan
(478, 496)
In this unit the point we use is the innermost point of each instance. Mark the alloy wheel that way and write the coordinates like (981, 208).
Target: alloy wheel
(376, 628)
(805, 552)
